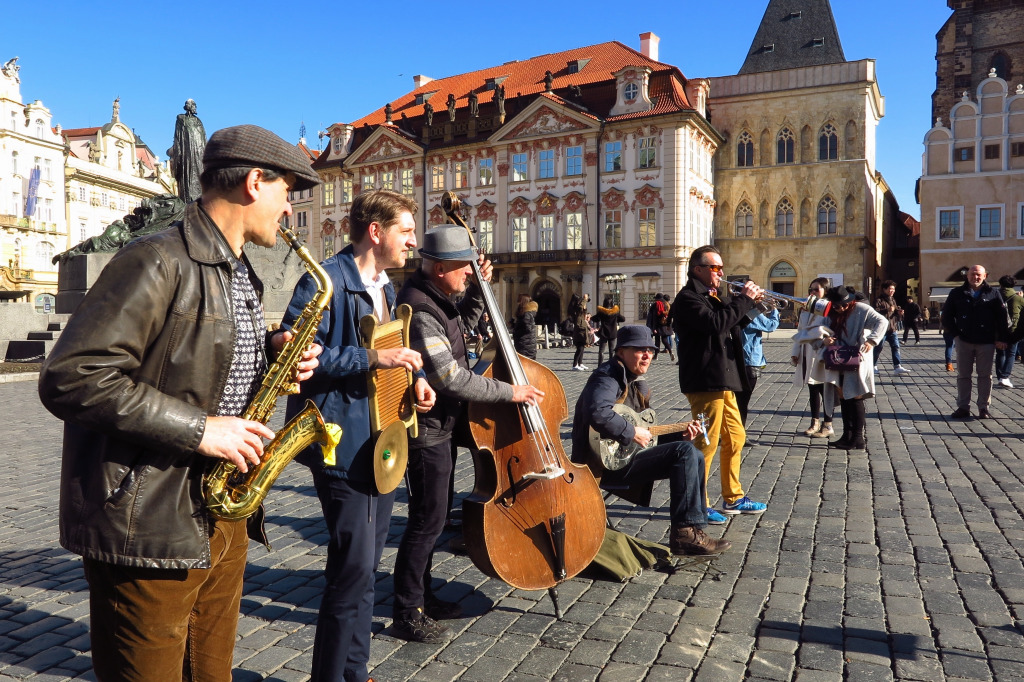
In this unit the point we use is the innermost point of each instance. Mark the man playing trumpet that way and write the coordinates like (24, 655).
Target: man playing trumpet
(708, 325)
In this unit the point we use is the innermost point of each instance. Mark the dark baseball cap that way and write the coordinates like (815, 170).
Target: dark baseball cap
(249, 145)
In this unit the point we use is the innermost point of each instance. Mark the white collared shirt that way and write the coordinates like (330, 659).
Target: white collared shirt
(375, 288)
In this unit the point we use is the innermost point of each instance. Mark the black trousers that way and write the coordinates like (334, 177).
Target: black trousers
(427, 481)
(683, 465)
(357, 519)
(577, 358)
(743, 397)
(907, 326)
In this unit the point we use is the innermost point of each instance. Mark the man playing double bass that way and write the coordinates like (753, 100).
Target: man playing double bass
(620, 381)
(436, 333)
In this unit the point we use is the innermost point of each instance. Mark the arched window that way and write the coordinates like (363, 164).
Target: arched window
(784, 153)
(784, 219)
(1001, 63)
(745, 150)
(827, 210)
(744, 220)
(828, 143)
(40, 127)
(44, 254)
(14, 163)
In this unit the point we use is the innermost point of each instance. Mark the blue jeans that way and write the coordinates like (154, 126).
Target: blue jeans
(894, 343)
(683, 465)
(1004, 361)
(948, 338)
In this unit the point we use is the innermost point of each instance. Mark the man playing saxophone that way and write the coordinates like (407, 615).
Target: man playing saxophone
(382, 231)
(149, 377)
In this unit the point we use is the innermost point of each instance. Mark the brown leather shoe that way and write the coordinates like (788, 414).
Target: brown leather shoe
(949, 366)
(692, 541)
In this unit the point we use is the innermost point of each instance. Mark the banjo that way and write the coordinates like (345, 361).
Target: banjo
(615, 456)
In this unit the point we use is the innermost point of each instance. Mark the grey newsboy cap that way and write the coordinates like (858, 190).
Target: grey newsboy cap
(447, 242)
(249, 145)
(634, 336)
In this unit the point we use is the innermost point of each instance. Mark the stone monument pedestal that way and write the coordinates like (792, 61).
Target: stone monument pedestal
(76, 275)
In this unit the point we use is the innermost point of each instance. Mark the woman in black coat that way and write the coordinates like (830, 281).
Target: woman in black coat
(608, 317)
(524, 328)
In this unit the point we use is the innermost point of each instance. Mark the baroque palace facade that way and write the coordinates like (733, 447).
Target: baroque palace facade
(59, 187)
(798, 193)
(583, 171)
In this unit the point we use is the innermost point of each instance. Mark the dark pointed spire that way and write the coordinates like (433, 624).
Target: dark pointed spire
(794, 33)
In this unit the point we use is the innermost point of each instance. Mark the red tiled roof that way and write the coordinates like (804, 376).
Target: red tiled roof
(71, 133)
(912, 224)
(526, 77)
(306, 150)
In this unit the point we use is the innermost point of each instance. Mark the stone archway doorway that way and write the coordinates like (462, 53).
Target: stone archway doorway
(548, 296)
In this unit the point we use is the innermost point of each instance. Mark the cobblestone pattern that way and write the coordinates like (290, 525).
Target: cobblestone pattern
(899, 562)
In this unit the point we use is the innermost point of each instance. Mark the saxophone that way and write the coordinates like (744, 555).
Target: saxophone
(232, 495)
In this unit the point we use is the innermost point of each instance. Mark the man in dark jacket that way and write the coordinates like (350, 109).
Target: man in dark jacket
(885, 304)
(382, 231)
(976, 316)
(608, 318)
(435, 332)
(911, 315)
(620, 381)
(150, 377)
(707, 322)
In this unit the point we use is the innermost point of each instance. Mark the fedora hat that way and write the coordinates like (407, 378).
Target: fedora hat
(634, 336)
(448, 242)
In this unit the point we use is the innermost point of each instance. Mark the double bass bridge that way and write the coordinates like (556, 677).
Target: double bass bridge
(548, 473)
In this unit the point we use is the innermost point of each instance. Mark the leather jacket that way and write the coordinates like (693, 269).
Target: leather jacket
(140, 365)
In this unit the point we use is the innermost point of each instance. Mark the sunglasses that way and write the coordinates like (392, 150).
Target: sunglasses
(713, 268)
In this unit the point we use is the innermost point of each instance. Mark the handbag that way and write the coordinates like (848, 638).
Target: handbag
(842, 358)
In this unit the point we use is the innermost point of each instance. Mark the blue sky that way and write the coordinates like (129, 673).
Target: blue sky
(280, 64)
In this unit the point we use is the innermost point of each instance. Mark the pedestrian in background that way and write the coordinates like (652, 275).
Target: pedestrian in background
(911, 314)
(976, 316)
(764, 317)
(808, 343)
(885, 304)
(581, 329)
(1014, 301)
(608, 318)
(524, 328)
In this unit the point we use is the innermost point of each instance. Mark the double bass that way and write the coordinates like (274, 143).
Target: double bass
(534, 518)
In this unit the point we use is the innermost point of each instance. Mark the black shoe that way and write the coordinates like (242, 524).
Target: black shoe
(984, 414)
(419, 628)
(439, 609)
(843, 443)
(962, 413)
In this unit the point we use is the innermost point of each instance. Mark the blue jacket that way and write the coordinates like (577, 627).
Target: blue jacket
(338, 386)
(753, 355)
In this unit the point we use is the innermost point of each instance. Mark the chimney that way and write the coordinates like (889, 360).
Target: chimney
(649, 45)
(421, 80)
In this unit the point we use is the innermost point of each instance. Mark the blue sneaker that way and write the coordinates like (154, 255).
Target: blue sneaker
(715, 518)
(744, 505)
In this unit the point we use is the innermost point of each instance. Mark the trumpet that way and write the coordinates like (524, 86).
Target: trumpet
(812, 304)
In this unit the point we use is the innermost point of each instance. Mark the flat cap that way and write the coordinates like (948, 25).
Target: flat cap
(249, 145)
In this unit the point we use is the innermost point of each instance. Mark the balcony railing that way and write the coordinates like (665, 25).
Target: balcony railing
(556, 256)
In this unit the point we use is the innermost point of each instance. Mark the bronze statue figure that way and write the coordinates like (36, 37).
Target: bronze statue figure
(186, 153)
(155, 214)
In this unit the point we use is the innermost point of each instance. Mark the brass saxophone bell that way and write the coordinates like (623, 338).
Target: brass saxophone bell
(390, 457)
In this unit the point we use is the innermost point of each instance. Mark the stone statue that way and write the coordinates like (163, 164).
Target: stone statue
(474, 104)
(115, 115)
(186, 153)
(548, 81)
(576, 91)
(388, 111)
(152, 216)
(451, 107)
(499, 99)
(11, 69)
(428, 111)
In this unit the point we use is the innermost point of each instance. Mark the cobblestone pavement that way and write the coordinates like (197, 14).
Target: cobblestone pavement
(899, 562)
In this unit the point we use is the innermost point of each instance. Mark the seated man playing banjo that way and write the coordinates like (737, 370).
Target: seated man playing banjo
(613, 419)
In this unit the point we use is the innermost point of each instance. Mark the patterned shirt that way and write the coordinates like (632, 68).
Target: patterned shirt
(248, 364)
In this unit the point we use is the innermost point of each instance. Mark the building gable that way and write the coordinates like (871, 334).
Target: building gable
(543, 117)
(382, 145)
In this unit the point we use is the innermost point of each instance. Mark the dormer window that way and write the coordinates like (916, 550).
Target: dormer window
(630, 92)
(424, 96)
(576, 65)
(818, 42)
(492, 83)
(770, 47)
(795, 15)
